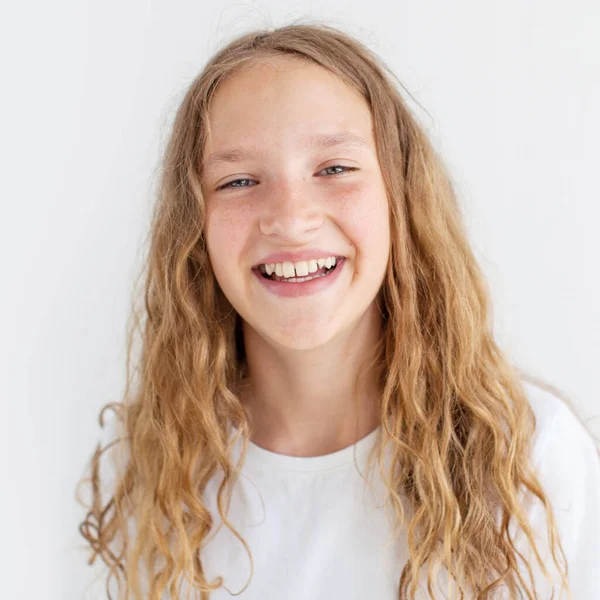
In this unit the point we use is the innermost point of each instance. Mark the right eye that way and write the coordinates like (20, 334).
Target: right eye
(236, 183)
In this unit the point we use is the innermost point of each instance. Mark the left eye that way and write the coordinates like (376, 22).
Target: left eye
(345, 169)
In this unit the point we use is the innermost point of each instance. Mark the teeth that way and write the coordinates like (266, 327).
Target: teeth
(300, 268)
(288, 269)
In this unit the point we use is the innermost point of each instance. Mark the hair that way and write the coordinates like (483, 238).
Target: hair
(455, 417)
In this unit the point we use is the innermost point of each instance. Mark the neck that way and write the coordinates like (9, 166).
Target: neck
(317, 401)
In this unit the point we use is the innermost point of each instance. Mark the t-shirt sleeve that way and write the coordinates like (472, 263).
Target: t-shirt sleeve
(568, 465)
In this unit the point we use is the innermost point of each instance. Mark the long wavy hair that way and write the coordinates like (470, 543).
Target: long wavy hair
(456, 421)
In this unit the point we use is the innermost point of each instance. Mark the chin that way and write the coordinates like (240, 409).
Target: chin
(301, 337)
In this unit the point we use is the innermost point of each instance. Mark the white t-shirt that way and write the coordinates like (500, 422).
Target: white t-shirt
(317, 530)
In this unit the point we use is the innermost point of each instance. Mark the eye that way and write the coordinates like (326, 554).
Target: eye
(238, 184)
(345, 169)
(243, 183)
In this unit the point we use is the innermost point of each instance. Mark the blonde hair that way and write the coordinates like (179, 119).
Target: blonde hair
(455, 415)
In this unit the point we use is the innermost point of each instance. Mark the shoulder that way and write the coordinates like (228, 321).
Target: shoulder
(567, 463)
(560, 439)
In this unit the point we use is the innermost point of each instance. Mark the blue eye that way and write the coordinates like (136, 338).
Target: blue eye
(346, 169)
(238, 183)
(231, 184)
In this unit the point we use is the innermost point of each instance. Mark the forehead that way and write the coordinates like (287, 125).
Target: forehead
(284, 101)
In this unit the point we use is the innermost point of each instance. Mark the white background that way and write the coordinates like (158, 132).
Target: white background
(511, 91)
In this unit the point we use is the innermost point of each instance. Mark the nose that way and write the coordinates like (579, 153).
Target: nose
(290, 211)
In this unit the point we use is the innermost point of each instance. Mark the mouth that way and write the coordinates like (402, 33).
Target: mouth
(321, 272)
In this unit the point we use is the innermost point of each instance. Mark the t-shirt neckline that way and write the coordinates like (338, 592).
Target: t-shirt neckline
(258, 457)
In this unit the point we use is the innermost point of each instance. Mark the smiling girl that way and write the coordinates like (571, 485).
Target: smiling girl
(321, 410)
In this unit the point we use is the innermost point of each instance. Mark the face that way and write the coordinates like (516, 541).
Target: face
(291, 167)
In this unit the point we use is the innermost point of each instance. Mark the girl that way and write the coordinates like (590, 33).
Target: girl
(321, 409)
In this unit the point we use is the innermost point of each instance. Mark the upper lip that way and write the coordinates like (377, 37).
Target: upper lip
(280, 257)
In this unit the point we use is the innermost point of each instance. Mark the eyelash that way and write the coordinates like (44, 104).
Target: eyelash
(229, 185)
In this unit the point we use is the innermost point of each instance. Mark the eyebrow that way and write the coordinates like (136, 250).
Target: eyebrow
(321, 141)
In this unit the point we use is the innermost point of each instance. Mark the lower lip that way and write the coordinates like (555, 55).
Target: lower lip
(305, 288)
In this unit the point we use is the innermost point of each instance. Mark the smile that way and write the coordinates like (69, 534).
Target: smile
(300, 286)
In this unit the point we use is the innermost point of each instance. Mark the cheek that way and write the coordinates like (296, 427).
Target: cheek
(224, 233)
(225, 229)
(366, 218)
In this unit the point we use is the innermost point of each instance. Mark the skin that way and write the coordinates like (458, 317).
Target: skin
(303, 352)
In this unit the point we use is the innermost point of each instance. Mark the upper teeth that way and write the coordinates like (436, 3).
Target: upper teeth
(300, 268)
